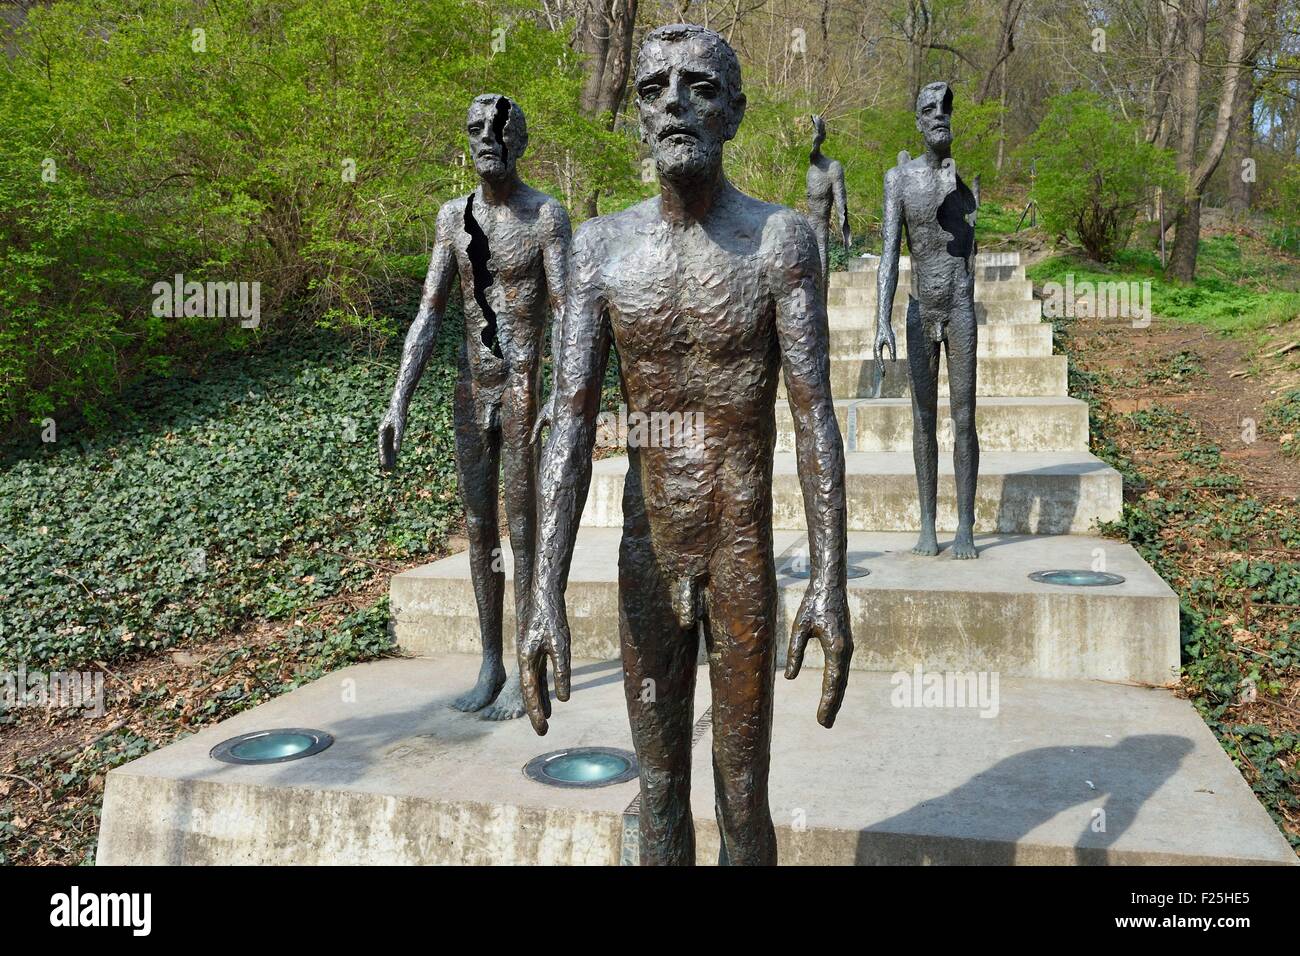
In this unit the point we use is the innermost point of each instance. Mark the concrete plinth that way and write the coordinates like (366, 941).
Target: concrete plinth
(1066, 772)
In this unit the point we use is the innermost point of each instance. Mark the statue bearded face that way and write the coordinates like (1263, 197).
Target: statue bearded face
(689, 100)
(934, 115)
(497, 136)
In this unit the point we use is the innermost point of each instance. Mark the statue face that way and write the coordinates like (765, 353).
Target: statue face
(493, 141)
(934, 116)
(688, 107)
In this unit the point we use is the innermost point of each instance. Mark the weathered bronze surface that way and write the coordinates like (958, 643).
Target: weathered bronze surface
(826, 190)
(928, 200)
(708, 294)
(509, 244)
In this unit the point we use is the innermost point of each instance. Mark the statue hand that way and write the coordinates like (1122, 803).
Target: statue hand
(547, 636)
(885, 339)
(544, 418)
(847, 238)
(391, 430)
(824, 614)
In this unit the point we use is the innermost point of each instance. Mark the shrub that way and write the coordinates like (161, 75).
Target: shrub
(1094, 172)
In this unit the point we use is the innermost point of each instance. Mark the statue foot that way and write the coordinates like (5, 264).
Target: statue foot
(490, 680)
(964, 546)
(509, 703)
(928, 545)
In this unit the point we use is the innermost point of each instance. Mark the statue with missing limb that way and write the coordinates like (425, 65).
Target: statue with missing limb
(708, 296)
(925, 198)
(509, 244)
(826, 190)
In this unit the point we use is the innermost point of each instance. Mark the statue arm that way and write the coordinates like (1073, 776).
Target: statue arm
(805, 351)
(564, 476)
(556, 240)
(421, 337)
(887, 278)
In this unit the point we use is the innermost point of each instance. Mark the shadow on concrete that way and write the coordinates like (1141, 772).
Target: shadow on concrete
(982, 821)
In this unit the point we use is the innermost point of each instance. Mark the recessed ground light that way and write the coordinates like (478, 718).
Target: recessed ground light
(1077, 578)
(583, 767)
(271, 746)
(799, 568)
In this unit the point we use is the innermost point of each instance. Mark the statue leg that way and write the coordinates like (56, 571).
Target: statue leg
(659, 664)
(519, 470)
(923, 363)
(824, 251)
(741, 636)
(962, 331)
(477, 463)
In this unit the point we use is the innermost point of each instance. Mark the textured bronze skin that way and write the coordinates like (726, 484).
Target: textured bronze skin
(708, 295)
(826, 190)
(926, 198)
(509, 244)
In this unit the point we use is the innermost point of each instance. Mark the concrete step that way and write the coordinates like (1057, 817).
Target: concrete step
(1003, 341)
(1003, 424)
(408, 780)
(985, 275)
(995, 377)
(938, 613)
(864, 294)
(996, 312)
(1062, 492)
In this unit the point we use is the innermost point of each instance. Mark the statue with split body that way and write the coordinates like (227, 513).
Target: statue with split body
(509, 244)
(708, 295)
(926, 200)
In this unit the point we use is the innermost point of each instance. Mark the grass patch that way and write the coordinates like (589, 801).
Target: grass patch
(1226, 295)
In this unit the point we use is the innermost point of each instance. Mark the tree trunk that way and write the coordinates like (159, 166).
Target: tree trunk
(1242, 140)
(1182, 263)
(604, 38)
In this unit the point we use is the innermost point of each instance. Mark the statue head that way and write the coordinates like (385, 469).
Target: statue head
(498, 135)
(819, 132)
(689, 98)
(934, 115)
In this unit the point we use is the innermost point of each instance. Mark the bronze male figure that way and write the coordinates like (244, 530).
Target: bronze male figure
(826, 190)
(928, 200)
(708, 296)
(509, 244)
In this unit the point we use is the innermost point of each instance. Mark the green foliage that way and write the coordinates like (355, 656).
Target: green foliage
(242, 493)
(1094, 172)
(1282, 421)
(1214, 298)
(228, 156)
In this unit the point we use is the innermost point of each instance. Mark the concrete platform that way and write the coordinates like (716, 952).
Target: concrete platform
(1003, 340)
(937, 612)
(1060, 492)
(995, 377)
(1003, 424)
(986, 313)
(410, 781)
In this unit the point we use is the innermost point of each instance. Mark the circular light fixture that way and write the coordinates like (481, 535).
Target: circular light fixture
(1077, 578)
(799, 567)
(271, 746)
(583, 767)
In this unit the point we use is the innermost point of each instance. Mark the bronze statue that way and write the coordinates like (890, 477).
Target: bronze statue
(826, 189)
(510, 245)
(926, 198)
(708, 295)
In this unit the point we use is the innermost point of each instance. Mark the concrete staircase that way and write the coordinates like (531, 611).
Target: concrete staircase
(1074, 758)
(1039, 496)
